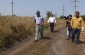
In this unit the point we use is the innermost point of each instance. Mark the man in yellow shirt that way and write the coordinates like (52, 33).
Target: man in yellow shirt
(77, 25)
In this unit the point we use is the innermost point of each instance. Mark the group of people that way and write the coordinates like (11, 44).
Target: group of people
(74, 26)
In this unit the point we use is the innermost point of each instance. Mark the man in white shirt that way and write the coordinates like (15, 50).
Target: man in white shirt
(39, 26)
(52, 21)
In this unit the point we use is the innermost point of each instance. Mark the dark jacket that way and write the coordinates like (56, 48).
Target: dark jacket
(68, 24)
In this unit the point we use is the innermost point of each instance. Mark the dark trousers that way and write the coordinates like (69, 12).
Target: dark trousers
(77, 33)
(51, 27)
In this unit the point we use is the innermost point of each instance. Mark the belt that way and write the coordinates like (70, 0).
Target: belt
(37, 24)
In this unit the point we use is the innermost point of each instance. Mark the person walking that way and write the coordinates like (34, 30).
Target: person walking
(68, 27)
(39, 26)
(77, 25)
(52, 21)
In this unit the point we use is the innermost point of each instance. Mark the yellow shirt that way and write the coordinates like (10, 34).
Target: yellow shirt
(77, 22)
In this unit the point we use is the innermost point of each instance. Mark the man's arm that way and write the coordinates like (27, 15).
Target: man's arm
(82, 24)
(71, 22)
(34, 20)
(55, 19)
(42, 21)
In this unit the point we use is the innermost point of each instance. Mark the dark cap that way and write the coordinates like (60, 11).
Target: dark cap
(70, 15)
(38, 12)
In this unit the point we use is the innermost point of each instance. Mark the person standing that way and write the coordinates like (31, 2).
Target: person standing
(39, 26)
(77, 25)
(68, 27)
(52, 21)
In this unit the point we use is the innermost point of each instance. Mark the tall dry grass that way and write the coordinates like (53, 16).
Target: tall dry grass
(18, 29)
(15, 29)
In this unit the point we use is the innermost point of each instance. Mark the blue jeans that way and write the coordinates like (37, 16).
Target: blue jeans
(77, 33)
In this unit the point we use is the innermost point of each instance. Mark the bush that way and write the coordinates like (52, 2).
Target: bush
(49, 14)
(83, 16)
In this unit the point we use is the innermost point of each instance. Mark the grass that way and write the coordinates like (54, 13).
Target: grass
(18, 29)
(15, 29)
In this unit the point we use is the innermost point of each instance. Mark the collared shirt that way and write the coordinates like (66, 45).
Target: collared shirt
(52, 20)
(77, 22)
(38, 20)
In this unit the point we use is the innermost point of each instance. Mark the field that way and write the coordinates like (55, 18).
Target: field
(17, 29)
(22, 28)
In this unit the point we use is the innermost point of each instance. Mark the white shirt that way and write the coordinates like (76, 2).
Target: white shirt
(52, 20)
(38, 20)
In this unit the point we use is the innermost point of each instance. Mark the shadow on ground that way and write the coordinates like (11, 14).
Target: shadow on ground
(55, 31)
(47, 38)
(82, 42)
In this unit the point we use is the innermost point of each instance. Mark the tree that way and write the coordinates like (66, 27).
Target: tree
(83, 16)
(63, 17)
(49, 13)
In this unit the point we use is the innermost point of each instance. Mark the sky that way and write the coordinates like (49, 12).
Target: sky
(29, 7)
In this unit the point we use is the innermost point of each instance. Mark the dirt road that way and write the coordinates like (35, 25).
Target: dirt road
(52, 44)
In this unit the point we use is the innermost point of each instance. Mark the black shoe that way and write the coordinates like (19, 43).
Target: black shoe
(84, 42)
(35, 40)
(42, 37)
(67, 39)
(72, 41)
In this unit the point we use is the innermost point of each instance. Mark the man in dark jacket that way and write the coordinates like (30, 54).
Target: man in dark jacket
(68, 26)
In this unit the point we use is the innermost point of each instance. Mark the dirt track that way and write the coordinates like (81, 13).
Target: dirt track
(53, 44)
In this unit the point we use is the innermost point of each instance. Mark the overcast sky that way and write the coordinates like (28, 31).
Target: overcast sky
(29, 7)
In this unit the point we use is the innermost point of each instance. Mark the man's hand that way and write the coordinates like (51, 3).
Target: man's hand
(82, 29)
(41, 23)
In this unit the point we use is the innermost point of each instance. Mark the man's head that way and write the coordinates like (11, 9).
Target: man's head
(70, 16)
(38, 14)
(77, 14)
(52, 15)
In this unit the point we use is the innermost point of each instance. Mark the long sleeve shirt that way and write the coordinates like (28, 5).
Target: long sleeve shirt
(52, 20)
(77, 22)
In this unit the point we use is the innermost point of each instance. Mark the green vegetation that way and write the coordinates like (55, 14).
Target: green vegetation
(49, 13)
(83, 16)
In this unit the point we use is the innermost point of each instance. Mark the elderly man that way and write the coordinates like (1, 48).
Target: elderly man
(39, 26)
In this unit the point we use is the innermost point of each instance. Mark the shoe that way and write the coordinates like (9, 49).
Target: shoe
(72, 41)
(67, 39)
(78, 45)
(35, 40)
(84, 42)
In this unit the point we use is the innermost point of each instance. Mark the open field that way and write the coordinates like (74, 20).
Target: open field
(17, 29)
(21, 28)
